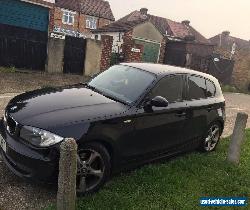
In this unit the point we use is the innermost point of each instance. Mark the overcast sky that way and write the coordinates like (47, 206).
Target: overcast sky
(210, 17)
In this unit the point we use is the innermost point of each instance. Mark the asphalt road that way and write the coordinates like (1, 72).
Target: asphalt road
(16, 194)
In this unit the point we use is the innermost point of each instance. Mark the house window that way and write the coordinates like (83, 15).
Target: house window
(91, 22)
(68, 17)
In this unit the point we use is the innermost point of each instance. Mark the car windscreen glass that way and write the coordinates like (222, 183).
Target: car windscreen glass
(123, 83)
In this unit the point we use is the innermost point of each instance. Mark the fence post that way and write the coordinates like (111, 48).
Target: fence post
(66, 195)
(237, 138)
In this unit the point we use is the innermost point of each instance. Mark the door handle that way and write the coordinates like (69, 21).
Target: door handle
(210, 108)
(181, 114)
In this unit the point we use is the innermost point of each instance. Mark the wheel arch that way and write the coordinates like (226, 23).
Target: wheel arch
(108, 146)
(220, 122)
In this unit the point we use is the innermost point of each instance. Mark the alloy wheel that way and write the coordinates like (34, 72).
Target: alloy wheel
(212, 138)
(90, 170)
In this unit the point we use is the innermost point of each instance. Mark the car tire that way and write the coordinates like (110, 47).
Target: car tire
(211, 138)
(93, 168)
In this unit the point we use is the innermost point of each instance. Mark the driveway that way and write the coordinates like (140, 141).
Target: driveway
(16, 194)
(235, 102)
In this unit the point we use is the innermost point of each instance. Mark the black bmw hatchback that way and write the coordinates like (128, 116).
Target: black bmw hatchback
(125, 116)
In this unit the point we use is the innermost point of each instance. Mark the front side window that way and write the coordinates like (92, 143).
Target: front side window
(68, 17)
(170, 87)
(197, 87)
(91, 22)
(122, 83)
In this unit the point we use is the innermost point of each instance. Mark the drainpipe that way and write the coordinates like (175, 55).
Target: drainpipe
(220, 40)
(79, 17)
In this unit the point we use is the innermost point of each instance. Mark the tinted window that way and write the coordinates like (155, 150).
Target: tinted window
(170, 87)
(122, 83)
(210, 88)
(197, 87)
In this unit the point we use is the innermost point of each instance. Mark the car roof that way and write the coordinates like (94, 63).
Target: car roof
(163, 70)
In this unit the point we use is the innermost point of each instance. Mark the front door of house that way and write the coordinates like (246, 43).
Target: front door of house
(150, 51)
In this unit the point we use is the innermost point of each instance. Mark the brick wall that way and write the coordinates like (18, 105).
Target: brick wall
(199, 49)
(79, 23)
(51, 20)
(129, 43)
(106, 51)
(241, 72)
(135, 56)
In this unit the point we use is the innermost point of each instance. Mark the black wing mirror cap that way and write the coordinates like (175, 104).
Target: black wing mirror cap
(159, 101)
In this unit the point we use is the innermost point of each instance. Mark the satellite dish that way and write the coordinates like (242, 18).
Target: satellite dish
(216, 59)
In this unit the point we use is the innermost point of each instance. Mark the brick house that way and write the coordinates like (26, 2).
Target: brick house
(155, 39)
(77, 18)
(225, 41)
(241, 57)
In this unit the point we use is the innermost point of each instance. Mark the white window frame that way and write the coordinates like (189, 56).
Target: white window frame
(69, 14)
(91, 22)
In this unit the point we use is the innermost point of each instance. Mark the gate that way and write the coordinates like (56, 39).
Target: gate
(23, 48)
(74, 55)
(151, 51)
(222, 69)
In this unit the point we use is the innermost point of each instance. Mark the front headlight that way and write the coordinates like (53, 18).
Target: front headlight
(39, 137)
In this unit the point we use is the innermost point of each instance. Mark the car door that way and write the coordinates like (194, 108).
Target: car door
(160, 128)
(198, 108)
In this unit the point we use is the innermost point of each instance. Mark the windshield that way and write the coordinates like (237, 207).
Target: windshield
(123, 83)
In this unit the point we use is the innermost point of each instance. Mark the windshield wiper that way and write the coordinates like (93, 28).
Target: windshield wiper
(92, 88)
(105, 94)
(114, 98)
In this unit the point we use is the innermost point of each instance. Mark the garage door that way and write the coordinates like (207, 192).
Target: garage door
(25, 15)
(150, 52)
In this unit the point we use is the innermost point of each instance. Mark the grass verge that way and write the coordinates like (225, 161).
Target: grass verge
(176, 184)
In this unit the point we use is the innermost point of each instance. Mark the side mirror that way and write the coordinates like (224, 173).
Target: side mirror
(159, 101)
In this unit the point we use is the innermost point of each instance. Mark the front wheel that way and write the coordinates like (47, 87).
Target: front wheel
(93, 168)
(211, 139)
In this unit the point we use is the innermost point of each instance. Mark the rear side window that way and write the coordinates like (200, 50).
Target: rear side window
(170, 87)
(210, 88)
(197, 87)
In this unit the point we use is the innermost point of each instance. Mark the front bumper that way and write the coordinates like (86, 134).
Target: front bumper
(28, 162)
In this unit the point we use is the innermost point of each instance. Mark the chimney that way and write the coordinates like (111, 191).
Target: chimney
(186, 22)
(144, 11)
(226, 33)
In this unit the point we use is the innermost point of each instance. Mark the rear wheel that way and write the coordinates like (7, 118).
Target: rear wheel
(93, 168)
(211, 139)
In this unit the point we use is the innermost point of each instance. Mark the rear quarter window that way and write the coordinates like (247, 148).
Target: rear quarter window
(211, 89)
(197, 88)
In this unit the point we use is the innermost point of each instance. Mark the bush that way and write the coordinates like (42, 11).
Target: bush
(229, 88)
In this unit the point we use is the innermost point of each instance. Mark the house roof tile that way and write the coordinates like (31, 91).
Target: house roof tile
(97, 8)
(173, 28)
(228, 41)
